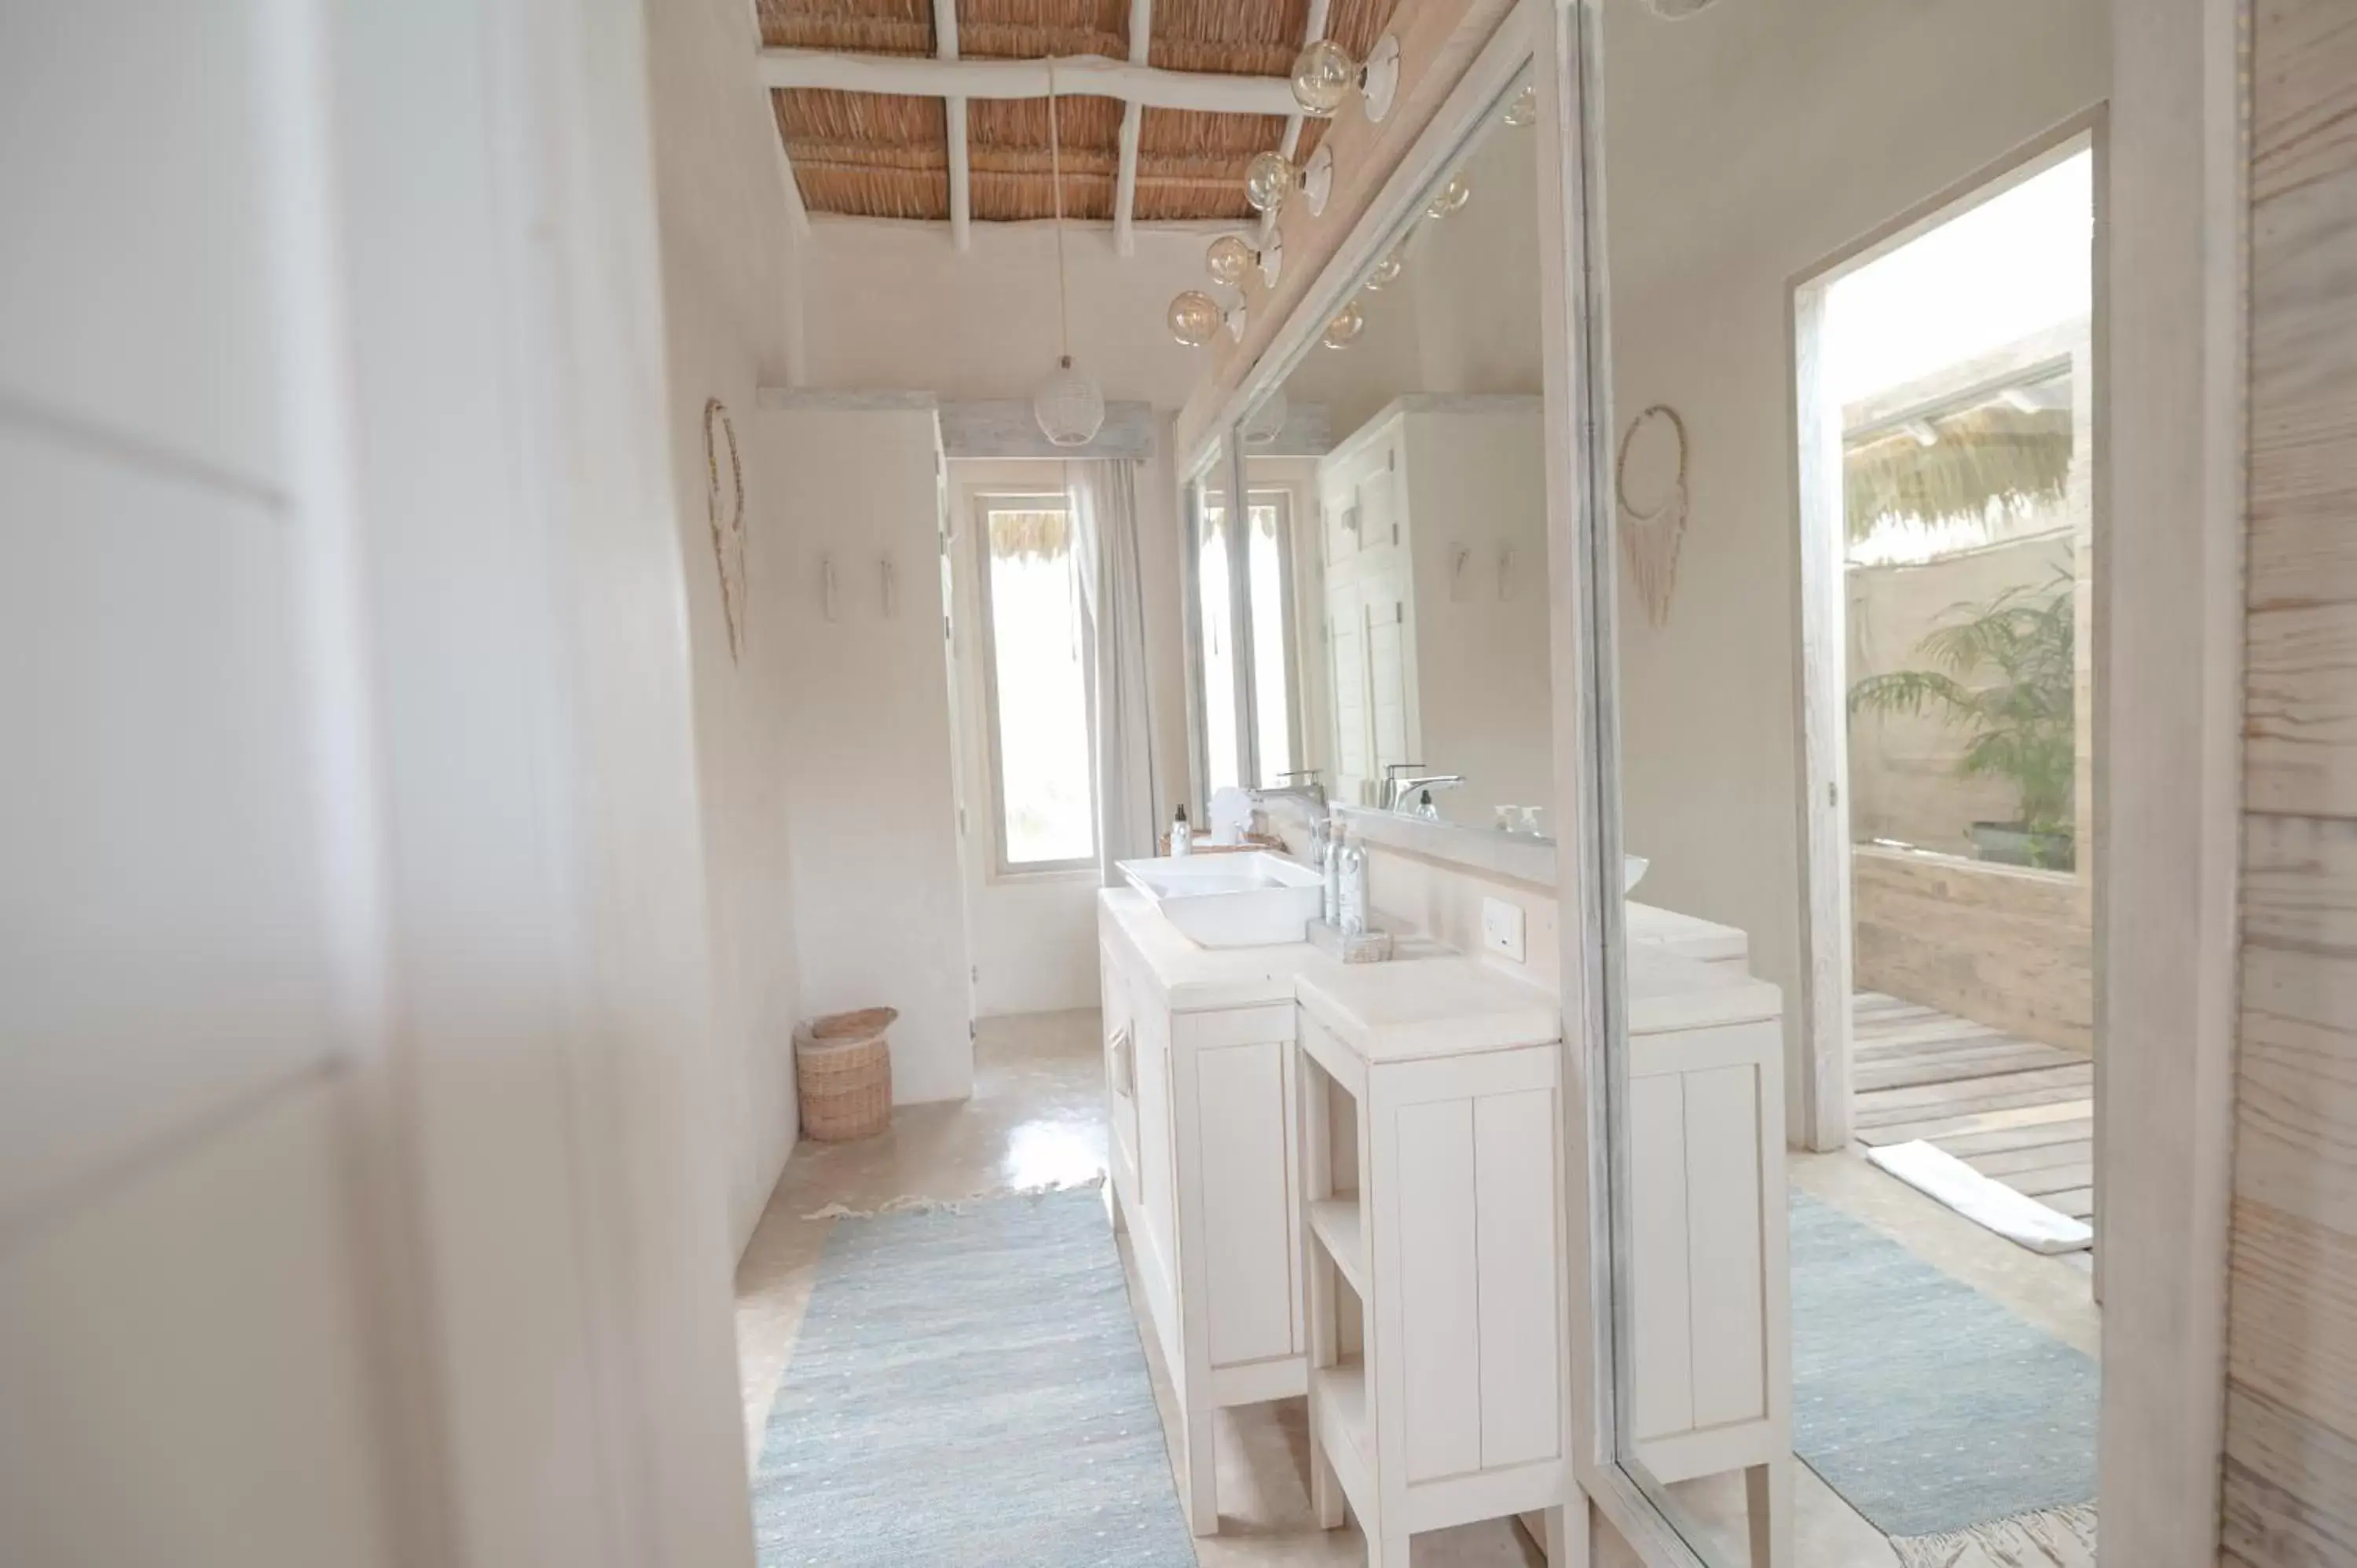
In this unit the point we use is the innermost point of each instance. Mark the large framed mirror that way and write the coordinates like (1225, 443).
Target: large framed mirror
(1688, 484)
(1837, 557)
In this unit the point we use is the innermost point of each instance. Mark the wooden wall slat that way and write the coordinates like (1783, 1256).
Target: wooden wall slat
(2290, 1480)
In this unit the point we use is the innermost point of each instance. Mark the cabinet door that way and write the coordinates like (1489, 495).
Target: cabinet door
(1251, 1255)
(1660, 1257)
(1155, 1189)
(1723, 1221)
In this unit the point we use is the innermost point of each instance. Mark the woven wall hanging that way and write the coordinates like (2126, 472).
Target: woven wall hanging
(1651, 535)
(726, 507)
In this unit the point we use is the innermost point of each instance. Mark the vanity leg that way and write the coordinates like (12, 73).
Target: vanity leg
(1385, 1550)
(1325, 1489)
(1569, 1530)
(1767, 1496)
(1202, 1473)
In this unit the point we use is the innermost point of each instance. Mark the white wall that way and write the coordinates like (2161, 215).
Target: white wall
(1464, 316)
(1473, 276)
(731, 317)
(896, 307)
(878, 901)
(1742, 148)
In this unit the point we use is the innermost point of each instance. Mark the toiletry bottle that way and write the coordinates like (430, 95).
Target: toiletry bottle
(1182, 837)
(1353, 860)
(1425, 809)
(1332, 872)
(1322, 856)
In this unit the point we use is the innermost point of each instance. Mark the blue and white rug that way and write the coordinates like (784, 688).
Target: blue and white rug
(1956, 1427)
(968, 1388)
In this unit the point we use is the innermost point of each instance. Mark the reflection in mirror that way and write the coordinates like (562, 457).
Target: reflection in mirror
(1397, 533)
(1848, 438)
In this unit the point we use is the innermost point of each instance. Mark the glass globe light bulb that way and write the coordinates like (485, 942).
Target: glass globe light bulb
(1387, 272)
(1524, 110)
(1194, 317)
(1229, 258)
(1344, 329)
(1323, 76)
(1452, 196)
(1268, 180)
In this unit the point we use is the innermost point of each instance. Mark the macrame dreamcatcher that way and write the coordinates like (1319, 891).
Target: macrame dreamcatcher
(1652, 535)
(727, 518)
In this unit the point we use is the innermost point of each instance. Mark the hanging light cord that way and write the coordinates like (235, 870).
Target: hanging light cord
(1056, 175)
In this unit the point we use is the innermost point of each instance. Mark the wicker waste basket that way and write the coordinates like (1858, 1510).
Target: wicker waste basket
(842, 1066)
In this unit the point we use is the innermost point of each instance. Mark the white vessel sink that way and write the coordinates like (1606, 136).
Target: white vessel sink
(1254, 900)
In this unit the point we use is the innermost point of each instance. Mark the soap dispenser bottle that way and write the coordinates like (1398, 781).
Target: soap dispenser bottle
(1329, 871)
(1350, 867)
(1182, 837)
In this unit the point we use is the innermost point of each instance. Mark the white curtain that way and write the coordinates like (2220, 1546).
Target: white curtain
(1104, 504)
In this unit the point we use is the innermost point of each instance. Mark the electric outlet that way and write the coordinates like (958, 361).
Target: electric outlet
(1502, 928)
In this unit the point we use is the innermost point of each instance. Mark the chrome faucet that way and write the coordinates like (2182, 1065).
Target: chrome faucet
(1399, 790)
(1311, 791)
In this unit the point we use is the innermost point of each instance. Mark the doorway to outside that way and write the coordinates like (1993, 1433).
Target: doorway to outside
(1948, 450)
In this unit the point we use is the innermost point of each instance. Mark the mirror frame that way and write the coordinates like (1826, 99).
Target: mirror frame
(2179, 150)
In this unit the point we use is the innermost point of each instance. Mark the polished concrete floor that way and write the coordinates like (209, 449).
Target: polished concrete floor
(1036, 1119)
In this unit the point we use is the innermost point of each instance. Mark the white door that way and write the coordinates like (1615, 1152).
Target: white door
(1390, 668)
(1346, 642)
(350, 913)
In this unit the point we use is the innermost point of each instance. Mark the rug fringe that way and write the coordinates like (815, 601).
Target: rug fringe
(908, 1203)
(2054, 1538)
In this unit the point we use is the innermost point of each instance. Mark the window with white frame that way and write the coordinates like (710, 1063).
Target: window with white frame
(1036, 683)
(1269, 602)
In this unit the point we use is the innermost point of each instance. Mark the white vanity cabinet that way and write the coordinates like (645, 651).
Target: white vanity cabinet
(1432, 1195)
(1709, 1276)
(1200, 1073)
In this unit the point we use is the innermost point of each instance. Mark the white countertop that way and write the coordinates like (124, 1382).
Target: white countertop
(1436, 1008)
(1427, 1000)
(1688, 936)
(1669, 992)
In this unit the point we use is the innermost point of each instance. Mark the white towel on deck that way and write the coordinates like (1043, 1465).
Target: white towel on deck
(1983, 1199)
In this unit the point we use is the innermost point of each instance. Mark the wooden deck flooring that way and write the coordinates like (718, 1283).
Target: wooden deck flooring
(2012, 1109)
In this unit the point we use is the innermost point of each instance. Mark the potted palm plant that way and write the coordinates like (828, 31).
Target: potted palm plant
(2005, 669)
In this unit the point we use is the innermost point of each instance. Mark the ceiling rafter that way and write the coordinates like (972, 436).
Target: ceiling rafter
(945, 34)
(1133, 122)
(1075, 76)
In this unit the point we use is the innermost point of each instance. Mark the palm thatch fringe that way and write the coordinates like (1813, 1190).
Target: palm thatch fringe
(1996, 453)
(1030, 535)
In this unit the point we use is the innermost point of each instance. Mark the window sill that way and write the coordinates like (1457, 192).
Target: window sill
(1043, 876)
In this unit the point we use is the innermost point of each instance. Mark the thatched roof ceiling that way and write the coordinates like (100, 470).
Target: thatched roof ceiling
(878, 156)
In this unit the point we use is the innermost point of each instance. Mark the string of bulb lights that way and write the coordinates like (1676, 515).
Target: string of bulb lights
(1325, 78)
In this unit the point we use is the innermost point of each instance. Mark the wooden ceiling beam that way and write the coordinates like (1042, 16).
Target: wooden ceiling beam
(1133, 123)
(945, 33)
(1076, 76)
